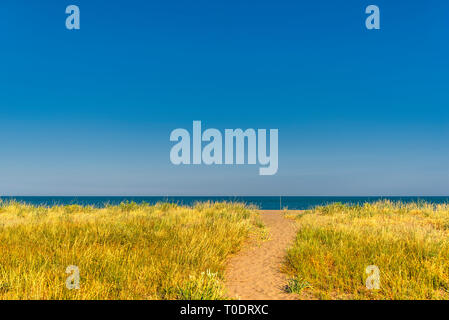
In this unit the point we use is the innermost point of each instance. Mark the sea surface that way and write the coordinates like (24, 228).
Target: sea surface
(265, 203)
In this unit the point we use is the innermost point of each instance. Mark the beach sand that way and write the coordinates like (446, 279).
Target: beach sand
(255, 272)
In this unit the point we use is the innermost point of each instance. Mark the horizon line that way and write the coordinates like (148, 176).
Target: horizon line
(272, 196)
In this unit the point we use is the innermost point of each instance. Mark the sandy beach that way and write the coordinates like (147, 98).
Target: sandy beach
(255, 272)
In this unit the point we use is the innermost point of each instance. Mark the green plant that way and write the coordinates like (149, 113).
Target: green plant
(296, 285)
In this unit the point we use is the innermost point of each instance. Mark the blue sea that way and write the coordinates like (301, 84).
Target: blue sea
(265, 203)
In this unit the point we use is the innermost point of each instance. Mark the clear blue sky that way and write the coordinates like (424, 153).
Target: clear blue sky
(90, 112)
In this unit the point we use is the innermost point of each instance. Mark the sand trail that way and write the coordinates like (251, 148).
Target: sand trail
(254, 273)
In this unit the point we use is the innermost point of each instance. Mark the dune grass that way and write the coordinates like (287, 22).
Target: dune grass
(409, 243)
(128, 251)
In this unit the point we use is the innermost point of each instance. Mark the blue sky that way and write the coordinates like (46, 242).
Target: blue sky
(89, 112)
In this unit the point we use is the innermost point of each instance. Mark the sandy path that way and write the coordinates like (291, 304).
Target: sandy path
(254, 273)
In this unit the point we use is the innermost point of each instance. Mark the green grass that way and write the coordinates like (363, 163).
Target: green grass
(409, 243)
(296, 285)
(128, 251)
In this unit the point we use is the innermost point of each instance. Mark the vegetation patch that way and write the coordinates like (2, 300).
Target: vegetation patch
(408, 243)
(129, 251)
(296, 285)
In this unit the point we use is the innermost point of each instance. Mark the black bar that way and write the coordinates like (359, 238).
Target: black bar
(129, 310)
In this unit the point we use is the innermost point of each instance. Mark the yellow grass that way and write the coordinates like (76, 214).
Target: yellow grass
(409, 243)
(128, 251)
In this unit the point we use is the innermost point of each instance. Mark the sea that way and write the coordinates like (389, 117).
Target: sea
(264, 203)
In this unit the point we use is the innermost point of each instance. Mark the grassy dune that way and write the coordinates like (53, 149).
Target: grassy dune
(409, 243)
(128, 251)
